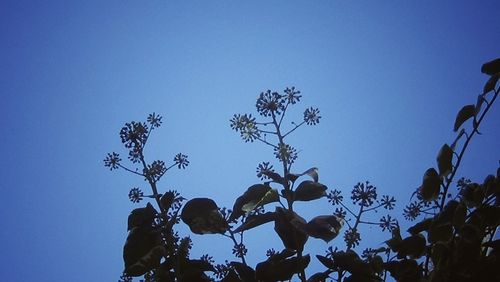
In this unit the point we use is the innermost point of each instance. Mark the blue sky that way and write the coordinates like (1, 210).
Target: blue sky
(388, 77)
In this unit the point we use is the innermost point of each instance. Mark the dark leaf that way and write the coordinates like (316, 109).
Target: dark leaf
(430, 185)
(141, 217)
(325, 227)
(245, 272)
(491, 67)
(142, 250)
(256, 220)
(473, 194)
(396, 239)
(203, 217)
(440, 233)
(413, 246)
(274, 176)
(463, 115)
(231, 276)
(438, 252)
(491, 83)
(285, 226)
(423, 225)
(377, 264)
(328, 263)
(309, 190)
(405, 270)
(319, 276)
(249, 200)
(312, 172)
(460, 215)
(444, 159)
(278, 270)
(351, 262)
(167, 200)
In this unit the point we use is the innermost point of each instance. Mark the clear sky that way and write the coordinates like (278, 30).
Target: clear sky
(388, 77)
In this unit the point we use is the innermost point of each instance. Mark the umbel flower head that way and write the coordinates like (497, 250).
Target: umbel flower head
(311, 116)
(112, 161)
(364, 194)
(269, 103)
(285, 153)
(247, 127)
(181, 161)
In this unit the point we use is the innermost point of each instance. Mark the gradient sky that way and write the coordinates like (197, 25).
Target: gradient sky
(388, 77)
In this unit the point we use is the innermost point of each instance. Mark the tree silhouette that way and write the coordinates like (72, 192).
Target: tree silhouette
(452, 241)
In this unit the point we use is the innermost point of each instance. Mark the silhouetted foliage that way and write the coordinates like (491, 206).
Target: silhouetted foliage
(453, 239)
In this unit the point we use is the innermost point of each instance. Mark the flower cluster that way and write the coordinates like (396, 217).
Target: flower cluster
(269, 103)
(247, 127)
(112, 161)
(221, 270)
(262, 168)
(154, 120)
(388, 202)
(412, 211)
(292, 96)
(285, 153)
(340, 212)
(155, 171)
(181, 161)
(134, 134)
(311, 116)
(364, 194)
(334, 197)
(388, 223)
(135, 195)
(352, 238)
(239, 250)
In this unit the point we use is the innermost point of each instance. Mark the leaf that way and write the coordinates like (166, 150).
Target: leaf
(463, 115)
(167, 200)
(274, 176)
(438, 252)
(440, 233)
(142, 251)
(270, 197)
(252, 196)
(444, 160)
(430, 185)
(292, 237)
(312, 172)
(396, 239)
(328, 263)
(278, 270)
(491, 83)
(460, 215)
(203, 217)
(325, 227)
(319, 276)
(405, 270)
(309, 190)
(423, 225)
(256, 220)
(141, 217)
(245, 272)
(351, 262)
(413, 246)
(491, 67)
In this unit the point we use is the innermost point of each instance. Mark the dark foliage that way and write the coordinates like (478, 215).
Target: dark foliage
(453, 239)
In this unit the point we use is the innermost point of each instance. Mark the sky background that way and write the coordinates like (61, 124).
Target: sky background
(388, 77)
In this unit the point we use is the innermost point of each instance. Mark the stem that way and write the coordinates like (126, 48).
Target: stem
(235, 244)
(293, 129)
(462, 152)
(129, 170)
